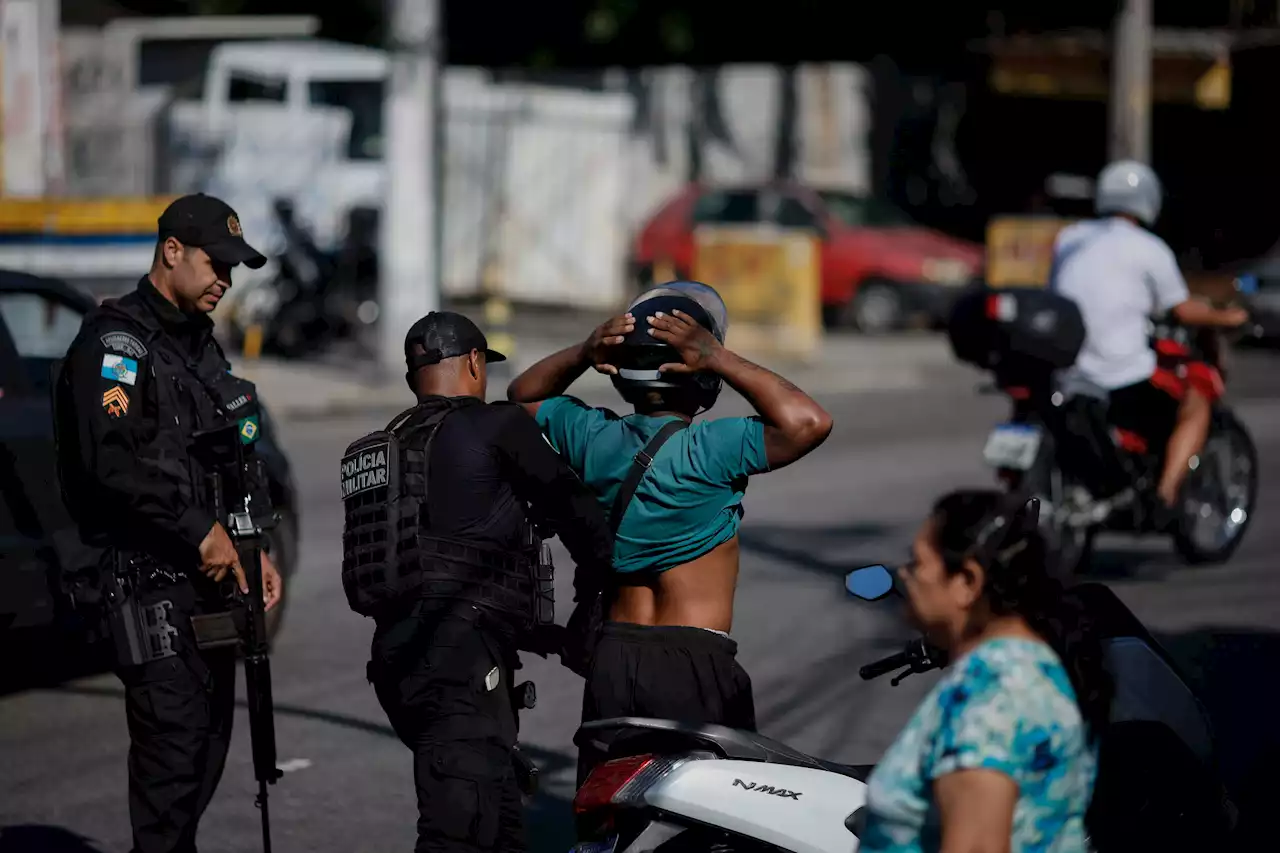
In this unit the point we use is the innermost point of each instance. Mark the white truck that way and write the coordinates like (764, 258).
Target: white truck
(534, 179)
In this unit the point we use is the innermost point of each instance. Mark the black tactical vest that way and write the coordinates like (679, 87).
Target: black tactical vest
(390, 555)
(192, 394)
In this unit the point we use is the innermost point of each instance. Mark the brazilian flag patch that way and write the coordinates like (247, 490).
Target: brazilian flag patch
(248, 429)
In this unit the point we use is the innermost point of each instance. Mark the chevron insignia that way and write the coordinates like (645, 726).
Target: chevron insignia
(115, 401)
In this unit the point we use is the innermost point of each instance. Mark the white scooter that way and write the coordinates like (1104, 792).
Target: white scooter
(671, 787)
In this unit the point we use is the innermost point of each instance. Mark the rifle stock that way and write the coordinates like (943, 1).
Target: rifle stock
(227, 466)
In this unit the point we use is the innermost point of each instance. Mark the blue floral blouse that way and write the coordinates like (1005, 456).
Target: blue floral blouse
(1007, 705)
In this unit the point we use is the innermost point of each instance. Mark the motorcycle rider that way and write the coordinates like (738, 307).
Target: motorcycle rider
(1121, 275)
(665, 651)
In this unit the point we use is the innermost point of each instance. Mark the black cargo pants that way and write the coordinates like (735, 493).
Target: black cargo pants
(445, 684)
(180, 711)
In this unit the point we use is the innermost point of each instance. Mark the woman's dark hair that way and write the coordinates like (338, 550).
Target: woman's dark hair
(1018, 581)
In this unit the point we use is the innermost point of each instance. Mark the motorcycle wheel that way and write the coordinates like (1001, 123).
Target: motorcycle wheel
(1219, 494)
(288, 334)
(1073, 550)
(1070, 548)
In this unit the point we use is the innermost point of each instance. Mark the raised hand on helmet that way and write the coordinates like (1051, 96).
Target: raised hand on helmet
(696, 345)
(596, 349)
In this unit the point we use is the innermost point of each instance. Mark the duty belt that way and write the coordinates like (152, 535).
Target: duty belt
(437, 556)
(471, 555)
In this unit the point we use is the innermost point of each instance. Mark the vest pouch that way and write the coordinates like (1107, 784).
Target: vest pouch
(502, 584)
(391, 554)
(544, 584)
(372, 501)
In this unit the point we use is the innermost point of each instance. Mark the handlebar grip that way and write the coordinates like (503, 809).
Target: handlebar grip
(885, 666)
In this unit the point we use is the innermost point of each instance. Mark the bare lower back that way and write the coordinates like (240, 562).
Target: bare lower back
(698, 594)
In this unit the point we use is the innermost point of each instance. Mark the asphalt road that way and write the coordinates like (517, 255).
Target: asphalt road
(857, 500)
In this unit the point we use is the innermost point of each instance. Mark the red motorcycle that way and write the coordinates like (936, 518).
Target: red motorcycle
(1061, 448)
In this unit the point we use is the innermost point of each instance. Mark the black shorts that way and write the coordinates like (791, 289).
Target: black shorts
(1146, 409)
(670, 673)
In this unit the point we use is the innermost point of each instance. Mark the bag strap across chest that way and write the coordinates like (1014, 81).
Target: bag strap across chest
(640, 465)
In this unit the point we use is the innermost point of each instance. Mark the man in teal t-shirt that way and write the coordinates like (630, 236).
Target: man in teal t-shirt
(689, 502)
(665, 650)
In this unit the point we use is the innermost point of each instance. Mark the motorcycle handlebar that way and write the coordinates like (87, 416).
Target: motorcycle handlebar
(885, 666)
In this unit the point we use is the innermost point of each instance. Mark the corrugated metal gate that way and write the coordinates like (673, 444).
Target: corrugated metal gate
(534, 189)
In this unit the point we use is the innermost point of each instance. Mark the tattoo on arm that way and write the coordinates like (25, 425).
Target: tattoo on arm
(750, 365)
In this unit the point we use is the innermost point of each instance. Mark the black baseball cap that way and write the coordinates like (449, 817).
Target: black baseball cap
(445, 334)
(209, 223)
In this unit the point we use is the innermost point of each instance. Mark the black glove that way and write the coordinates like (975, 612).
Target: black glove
(583, 633)
(547, 640)
(526, 772)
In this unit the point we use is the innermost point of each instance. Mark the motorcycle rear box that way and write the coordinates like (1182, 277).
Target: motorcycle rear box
(991, 325)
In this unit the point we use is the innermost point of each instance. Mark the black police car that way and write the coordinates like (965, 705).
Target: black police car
(39, 317)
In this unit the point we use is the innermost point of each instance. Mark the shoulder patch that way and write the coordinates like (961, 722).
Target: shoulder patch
(125, 343)
(115, 401)
(248, 429)
(366, 468)
(119, 368)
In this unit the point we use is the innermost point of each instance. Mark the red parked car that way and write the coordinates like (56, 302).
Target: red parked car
(878, 267)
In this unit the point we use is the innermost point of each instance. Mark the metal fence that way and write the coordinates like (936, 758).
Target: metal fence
(535, 200)
(544, 183)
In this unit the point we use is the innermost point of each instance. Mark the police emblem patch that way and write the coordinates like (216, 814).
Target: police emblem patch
(123, 342)
(115, 401)
(233, 226)
(248, 429)
(119, 368)
(365, 469)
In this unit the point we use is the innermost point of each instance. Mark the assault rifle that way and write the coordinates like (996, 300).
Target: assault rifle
(226, 463)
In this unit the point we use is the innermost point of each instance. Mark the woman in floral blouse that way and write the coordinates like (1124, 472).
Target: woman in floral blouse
(1002, 753)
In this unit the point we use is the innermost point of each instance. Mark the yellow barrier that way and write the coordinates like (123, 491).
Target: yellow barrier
(771, 286)
(1020, 253)
(81, 216)
(1020, 249)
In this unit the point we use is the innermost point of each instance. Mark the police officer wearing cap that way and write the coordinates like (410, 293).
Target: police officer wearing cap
(141, 378)
(445, 511)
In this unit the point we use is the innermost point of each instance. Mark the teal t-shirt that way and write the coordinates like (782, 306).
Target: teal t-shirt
(690, 500)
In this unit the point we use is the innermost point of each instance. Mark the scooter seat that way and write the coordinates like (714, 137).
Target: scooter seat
(854, 771)
(730, 743)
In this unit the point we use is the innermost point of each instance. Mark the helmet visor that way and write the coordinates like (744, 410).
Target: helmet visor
(701, 293)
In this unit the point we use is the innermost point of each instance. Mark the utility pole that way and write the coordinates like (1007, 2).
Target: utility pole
(1131, 82)
(409, 273)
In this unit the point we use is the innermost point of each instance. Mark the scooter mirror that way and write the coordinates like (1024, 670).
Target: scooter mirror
(870, 583)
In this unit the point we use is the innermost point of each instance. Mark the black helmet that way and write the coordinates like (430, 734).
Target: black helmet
(640, 355)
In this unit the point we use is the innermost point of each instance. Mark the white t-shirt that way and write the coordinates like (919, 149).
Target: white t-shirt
(1121, 276)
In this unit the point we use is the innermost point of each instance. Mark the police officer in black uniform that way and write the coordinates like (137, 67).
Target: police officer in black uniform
(444, 514)
(141, 378)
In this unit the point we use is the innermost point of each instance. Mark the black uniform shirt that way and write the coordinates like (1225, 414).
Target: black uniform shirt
(487, 461)
(123, 444)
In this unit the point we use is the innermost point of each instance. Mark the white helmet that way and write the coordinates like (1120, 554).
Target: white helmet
(1127, 186)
